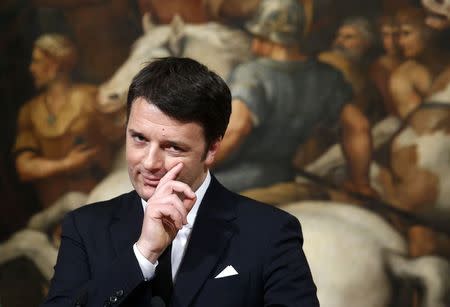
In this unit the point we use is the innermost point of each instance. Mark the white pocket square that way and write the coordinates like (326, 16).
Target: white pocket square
(228, 271)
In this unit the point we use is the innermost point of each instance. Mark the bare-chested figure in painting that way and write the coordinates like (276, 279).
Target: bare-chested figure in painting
(64, 140)
(410, 82)
(381, 69)
(416, 179)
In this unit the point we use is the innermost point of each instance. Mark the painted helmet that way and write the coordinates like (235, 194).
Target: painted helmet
(280, 21)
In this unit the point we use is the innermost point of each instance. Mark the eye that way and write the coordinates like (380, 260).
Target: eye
(174, 148)
(138, 138)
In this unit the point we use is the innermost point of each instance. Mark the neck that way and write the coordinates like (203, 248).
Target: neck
(58, 87)
(56, 95)
(283, 53)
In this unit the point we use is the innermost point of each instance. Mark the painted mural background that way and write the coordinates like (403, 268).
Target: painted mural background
(104, 33)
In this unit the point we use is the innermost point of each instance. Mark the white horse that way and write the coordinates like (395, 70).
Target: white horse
(355, 256)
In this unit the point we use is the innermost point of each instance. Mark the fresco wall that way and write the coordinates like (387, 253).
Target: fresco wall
(392, 231)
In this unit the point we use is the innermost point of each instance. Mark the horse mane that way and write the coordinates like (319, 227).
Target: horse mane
(229, 40)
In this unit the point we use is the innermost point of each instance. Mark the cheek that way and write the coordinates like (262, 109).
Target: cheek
(132, 156)
(45, 70)
(388, 42)
(171, 162)
(419, 44)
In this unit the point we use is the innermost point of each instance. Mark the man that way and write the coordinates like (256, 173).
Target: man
(414, 180)
(62, 142)
(279, 99)
(180, 224)
(352, 53)
(103, 31)
(382, 68)
(410, 83)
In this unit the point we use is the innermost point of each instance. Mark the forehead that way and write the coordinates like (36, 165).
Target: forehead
(40, 55)
(145, 117)
(410, 27)
(349, 31)
(388, 28)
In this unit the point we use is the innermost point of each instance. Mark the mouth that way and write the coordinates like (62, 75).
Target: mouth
(151, 180)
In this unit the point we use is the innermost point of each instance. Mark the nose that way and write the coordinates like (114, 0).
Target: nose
(401, 41)
(32, 68)
(114, 96)
(153, 160)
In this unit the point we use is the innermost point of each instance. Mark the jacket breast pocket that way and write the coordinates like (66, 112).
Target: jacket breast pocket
(225, 291)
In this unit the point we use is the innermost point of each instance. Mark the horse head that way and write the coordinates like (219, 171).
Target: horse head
(217, 46)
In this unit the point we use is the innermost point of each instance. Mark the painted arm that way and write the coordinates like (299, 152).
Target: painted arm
(30, 166)
(240, 125)
(357, 148)
(408, 85)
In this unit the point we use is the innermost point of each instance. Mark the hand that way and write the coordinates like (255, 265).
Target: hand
(79, 157)
(165, 215)
(362, 188)
(384, 177)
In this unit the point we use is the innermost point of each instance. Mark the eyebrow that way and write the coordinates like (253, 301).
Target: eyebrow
(164, 141)
(132, 131)
(181, 145)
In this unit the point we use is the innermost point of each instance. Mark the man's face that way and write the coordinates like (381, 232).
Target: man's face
(155, 143)
(261, 47)
(350, 42)
(43, 68)
(389, 36)
(411, 40)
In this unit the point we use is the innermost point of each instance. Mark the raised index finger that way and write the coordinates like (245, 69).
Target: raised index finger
(171, 174)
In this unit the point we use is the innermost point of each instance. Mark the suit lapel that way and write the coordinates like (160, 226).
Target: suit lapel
(210, 237)
(127, 222)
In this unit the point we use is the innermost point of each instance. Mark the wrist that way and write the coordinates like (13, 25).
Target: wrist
(146, 250)
(65, 165)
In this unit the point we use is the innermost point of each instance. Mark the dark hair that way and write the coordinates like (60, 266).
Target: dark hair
(187, 91)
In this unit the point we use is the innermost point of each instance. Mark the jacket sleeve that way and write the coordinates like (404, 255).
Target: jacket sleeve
(74, 283)
(287, 276)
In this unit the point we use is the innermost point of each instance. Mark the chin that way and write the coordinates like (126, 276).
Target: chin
(145, 192)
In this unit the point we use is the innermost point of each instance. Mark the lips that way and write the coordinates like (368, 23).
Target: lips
(151, 181)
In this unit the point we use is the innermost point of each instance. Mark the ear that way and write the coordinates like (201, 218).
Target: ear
(211, 153)
(176, 33)
(147, 22)
(177, 25)
(53, 69)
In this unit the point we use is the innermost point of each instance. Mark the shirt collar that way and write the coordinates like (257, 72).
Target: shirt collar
(200, 193)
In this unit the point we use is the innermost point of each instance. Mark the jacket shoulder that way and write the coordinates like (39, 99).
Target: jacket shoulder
(106, 208)
(262, 213)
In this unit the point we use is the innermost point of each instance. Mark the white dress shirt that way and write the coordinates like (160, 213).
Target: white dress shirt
(181, 240)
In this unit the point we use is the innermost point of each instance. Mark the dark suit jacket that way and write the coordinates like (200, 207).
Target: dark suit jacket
(97, 267)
